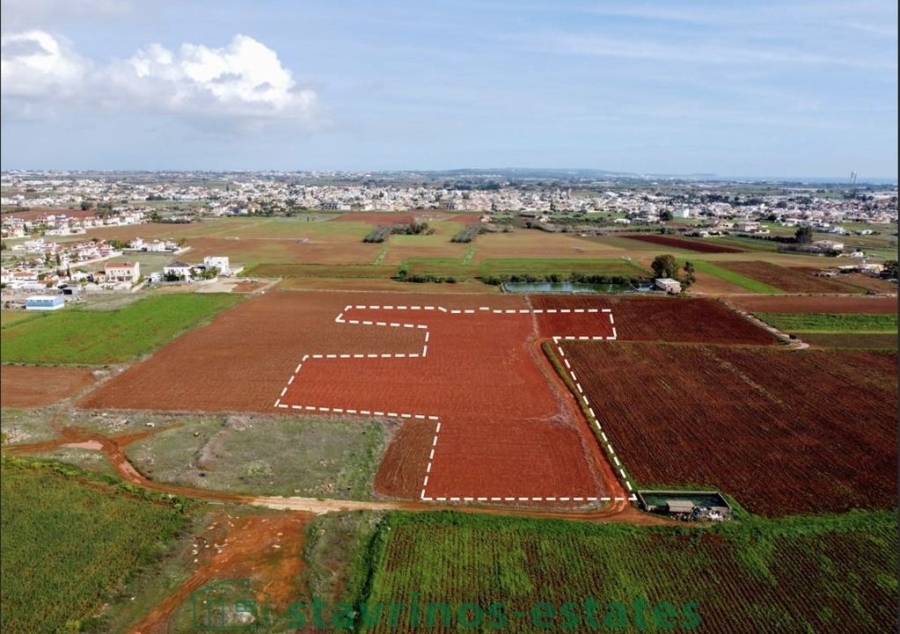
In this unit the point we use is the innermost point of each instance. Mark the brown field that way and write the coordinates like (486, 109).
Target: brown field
(504, 416)
(388, 285)
(691, 320)
(36, 213)
(788, 279)
(817, 304)
(691, 244)
(30, 386)
(784, 432)
(858, 279)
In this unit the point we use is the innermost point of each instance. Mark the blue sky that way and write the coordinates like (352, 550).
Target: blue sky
(778, 88)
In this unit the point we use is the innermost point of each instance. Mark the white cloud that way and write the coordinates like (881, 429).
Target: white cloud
(36, 64)
(245, 78)
(243, 83)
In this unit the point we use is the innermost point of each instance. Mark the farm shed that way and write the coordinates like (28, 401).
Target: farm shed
(679, 506)
(668, 285)
(44, 302)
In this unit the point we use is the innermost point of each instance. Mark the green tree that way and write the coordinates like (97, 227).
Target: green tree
(666, 216)
(86, 204)
(804, 235)
(890, 268)
(689, 275)
(664, 266)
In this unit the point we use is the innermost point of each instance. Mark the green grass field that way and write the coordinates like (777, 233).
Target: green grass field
(324, 271)
(561, 266)
(78, 336)
(837, 323)
(735, 278)
(67, 546)
(822, 574)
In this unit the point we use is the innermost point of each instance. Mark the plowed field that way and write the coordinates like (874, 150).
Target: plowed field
(692, 320)
(684, 243)
(29, 386)
(816, 304)
(502, 426)
(789, 280)
(784, 432)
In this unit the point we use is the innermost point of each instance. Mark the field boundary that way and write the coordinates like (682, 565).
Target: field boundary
(423, 352)
(592, 416)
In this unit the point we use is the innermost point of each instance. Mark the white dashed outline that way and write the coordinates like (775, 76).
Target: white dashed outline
(417, 416)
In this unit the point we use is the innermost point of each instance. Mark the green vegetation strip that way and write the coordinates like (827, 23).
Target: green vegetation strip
(827, 322)
(79, 336)
(560, 266)
(735, 278)
(804, 574)
(70, 540)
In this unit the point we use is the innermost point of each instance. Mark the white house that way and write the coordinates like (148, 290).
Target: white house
(180, 269)
(219, 262)
(123, 272)
(44, 302)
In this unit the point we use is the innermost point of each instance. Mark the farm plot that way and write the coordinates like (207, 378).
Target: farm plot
(240, 360)
(693, 320)
(508, 429)
(818, 304)
(79, 336)
(29, 386)
(697, 245)
(783, 432)
(787, 279)
(498, 431)
(520, 575)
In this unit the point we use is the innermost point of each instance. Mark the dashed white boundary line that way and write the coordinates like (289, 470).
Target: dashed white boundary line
(430, 417)
(592, 418)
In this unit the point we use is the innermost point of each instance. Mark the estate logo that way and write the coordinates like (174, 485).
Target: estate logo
(230, 605)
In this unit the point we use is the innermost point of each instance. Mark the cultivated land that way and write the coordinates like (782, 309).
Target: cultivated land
(67, 547)
(753, 577)
(80, 336)
(31, 386)
(289, 392)
(788, 279)
(783, 432)
(696, 244)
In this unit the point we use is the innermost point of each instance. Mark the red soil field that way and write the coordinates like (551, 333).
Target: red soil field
(857, 279)
(499, 429)
(789, 280)
(29, 386)
(816, 304)
(684, 243)
(690, 320)
(784, 432)
(37, 213)
(508, 427)
(863, 341)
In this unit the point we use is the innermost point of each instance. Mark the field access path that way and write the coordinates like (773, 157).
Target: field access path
(113, 447)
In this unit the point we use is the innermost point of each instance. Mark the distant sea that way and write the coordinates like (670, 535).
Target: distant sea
(812, 180)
